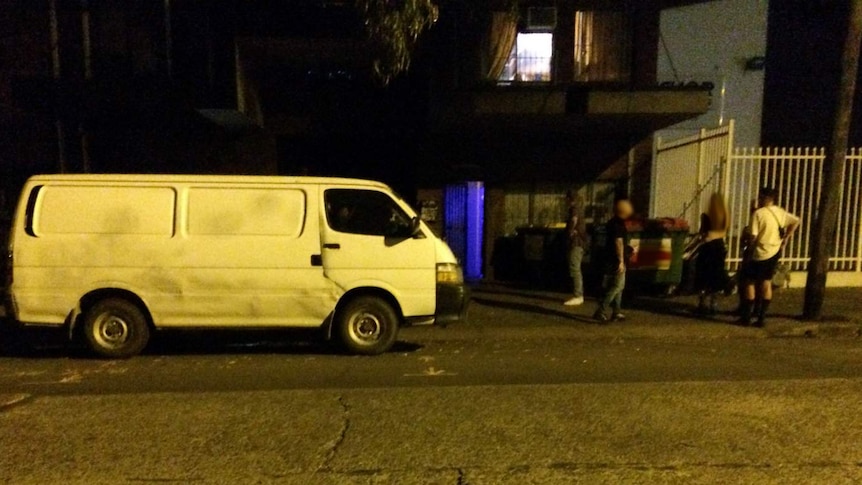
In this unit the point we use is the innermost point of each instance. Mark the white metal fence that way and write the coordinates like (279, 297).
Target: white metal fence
(682, 185)
(797, 174)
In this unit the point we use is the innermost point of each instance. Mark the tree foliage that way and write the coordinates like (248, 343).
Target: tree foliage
(393, 28)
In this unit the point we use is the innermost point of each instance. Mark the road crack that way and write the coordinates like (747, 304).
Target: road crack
(335, 444)
(462, 478)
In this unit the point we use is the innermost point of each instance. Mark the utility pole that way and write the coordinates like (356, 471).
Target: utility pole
(169, 40)
(826, 219)
(86, 48)
(56, 73)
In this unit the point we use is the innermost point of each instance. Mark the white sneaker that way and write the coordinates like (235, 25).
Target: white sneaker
(578, 300)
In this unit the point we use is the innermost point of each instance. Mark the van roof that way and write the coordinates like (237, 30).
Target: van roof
(233, 179)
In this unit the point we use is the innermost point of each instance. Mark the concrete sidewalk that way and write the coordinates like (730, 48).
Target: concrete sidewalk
(505, 311)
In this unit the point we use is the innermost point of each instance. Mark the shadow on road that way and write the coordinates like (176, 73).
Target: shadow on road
(504, 297)
(51, 343)
(689, 309)
(683, 309)
(516, 292)
(294, 342)
(531, 302)
(531, 308)
(661, 306)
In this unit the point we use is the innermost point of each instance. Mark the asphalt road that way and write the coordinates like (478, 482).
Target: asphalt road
(516, 396)
(227, 366)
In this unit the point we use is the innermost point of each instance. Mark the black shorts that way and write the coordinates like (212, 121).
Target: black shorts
(761, 270)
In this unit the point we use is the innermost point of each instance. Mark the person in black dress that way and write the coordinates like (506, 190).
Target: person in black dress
(710, 273)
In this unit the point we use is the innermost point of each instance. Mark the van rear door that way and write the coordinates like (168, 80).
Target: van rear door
(367, 242)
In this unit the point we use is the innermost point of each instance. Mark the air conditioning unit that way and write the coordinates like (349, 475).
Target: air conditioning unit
(541, 18)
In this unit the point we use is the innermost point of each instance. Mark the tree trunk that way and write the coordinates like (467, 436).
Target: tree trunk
(826, 219)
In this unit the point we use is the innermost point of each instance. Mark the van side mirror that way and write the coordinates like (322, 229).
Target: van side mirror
(405, 230)
(416, 228)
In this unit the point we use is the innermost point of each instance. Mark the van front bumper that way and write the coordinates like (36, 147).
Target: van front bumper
(452, 301)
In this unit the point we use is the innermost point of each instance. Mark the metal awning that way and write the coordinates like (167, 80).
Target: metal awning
(549, 133)
(567, 109)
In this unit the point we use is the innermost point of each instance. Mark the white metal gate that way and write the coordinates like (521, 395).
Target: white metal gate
(687, 171)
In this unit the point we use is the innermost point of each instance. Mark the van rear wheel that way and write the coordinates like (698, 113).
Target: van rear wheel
(116, 328)
(367, 326)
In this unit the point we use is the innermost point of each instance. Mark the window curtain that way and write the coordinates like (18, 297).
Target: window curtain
(602, 46)
(501, 40)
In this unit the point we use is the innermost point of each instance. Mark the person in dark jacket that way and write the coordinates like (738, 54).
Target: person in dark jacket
(615, 264)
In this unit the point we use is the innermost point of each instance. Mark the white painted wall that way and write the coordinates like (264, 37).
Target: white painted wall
(711, 42)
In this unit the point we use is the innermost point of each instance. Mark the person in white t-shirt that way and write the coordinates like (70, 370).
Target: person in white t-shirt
(771, 227)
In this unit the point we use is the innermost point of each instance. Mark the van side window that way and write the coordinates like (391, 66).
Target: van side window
(114, 209)
(31, 210)
(215, 211)
(365, 212)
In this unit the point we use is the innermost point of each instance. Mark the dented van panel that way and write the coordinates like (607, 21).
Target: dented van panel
(357, 256)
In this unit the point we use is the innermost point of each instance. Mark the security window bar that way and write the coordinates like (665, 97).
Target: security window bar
(530, 59)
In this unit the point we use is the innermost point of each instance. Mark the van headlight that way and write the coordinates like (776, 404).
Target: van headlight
(450, 273)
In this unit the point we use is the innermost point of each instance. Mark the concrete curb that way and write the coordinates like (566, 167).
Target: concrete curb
(9, 400)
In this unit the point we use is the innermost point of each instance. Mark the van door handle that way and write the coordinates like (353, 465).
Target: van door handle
(316, 260)
(332, 246)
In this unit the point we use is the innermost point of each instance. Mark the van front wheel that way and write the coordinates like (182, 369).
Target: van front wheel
(367, 325)
(116, 328)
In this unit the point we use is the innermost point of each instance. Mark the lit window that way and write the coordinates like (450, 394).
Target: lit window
(530, 60)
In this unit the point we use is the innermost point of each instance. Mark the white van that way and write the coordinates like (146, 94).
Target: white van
(115, 257)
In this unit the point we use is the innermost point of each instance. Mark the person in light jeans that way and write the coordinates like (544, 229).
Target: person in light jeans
(771, 228)
(615, 264)
(576, 233)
